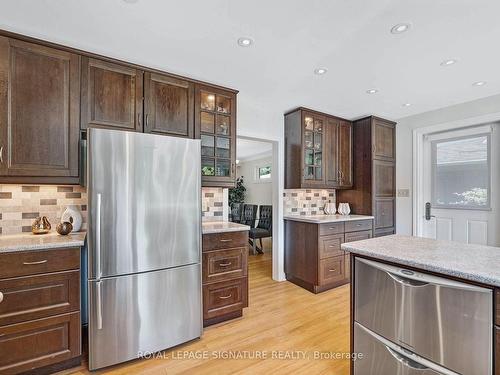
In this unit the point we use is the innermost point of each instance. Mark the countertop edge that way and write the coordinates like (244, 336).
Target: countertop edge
(212, 231)
(326, 221)
(482, 279)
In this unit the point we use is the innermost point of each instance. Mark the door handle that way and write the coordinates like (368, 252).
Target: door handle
(99, 305)
(428, 211)
(98, 236)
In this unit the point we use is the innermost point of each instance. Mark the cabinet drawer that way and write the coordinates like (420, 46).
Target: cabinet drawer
(224, 264)
(34, 262)
(331, 228)
(331, 270)
(39, 343)
(34, 297)
(329, 246)
(224, 240)
(358, 236)
(224, 297)
(358, 225)
(410, 307)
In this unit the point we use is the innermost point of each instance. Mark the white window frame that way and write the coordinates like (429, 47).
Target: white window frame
(257, 178)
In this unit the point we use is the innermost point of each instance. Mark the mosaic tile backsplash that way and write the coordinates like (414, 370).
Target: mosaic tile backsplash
(21, 204)
(306, 201)
(212, 204)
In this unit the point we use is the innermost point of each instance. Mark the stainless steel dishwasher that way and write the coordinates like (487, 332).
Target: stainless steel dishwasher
(440, 320)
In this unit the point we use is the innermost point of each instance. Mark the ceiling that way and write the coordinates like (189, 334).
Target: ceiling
(351, 38)
(248, 149)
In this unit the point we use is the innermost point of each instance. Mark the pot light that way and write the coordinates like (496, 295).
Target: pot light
(245, 42)
(448, 62)
(130, 1)
(320, 71)
(406, 104)
(400, 28)
(372, 91)
(479, 83)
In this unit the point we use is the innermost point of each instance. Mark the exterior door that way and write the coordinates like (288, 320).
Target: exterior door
(460, 186)
(169, 106)
(39, 112)
(111, 95)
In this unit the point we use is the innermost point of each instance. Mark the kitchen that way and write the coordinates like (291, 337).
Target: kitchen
(132, 149)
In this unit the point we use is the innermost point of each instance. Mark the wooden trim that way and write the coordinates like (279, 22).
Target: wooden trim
(315, 112)
(30, 39)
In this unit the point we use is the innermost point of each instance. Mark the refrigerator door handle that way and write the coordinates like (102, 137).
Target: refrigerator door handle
(99, 305)
(98, 237)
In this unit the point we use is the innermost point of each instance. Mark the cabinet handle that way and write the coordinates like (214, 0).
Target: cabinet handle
(1, 154)
(147, 120)
(1, 297)
(225, 297)
(224, 240)
(332, 270)
(38, 262)
(225, 264)
(139, 119)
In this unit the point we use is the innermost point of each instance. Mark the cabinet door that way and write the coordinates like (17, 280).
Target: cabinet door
(39, 113)
(312, 150)
(383, 140)
(384, 184)
(168, 105)
(215, 125)
(345, 154)
(332, 171)
(111, 95)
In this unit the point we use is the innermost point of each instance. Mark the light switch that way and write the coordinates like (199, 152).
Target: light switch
(404, 193)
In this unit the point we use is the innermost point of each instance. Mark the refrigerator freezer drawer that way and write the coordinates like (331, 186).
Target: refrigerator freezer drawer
(381, 357)
(445, 321)
(144, 312)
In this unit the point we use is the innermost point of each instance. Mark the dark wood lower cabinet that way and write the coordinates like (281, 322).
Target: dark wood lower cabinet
(225, 276)
(313, 257)
(40, 325)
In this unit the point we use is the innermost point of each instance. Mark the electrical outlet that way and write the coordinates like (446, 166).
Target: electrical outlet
(404, 193)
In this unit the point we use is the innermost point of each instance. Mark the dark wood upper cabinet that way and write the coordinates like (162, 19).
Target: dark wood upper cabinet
(374, 188)
(112, 95)
(168, 105)
(39, 113)
(215, 125)
(318, 150)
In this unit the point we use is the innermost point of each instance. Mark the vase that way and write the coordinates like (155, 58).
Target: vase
(74, 216)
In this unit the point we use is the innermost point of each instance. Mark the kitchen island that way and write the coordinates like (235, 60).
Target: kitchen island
(421, 306)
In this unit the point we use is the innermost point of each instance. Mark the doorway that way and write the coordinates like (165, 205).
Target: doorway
(251, 202)
(456, 184)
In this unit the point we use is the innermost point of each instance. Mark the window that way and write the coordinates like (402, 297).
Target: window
(461, 172)
(264, 173)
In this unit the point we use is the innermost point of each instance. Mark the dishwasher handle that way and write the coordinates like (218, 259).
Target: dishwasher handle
(405, 361)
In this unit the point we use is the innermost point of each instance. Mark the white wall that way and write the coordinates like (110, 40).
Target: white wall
(464, 114)
(258, 192)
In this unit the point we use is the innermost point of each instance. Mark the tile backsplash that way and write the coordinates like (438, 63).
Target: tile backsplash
(21, 204)
(306, 201)
(212, 204)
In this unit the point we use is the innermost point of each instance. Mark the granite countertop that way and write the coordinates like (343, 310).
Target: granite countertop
(469, 262)
(29, 241)
(320, 219)
(222, 226)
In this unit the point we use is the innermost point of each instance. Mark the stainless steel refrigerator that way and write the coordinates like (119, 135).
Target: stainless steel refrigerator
(144, 273)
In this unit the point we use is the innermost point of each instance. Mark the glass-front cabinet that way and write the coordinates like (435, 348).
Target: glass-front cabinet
(312, 144)
(216, 128)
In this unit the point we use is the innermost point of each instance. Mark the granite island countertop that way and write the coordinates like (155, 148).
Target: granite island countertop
(209, 227)
(466, 261)
(321, 219)
(33, 242)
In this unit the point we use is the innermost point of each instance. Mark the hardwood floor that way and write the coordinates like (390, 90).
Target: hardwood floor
(282, 318)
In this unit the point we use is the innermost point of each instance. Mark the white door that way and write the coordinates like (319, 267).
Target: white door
(461, 170)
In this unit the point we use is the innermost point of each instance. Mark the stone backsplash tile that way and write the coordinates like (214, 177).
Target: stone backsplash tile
(21, 204)
(306, 201)
(212, 204)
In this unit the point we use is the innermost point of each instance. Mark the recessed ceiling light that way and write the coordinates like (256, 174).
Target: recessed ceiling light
(245, 42)
(130, 1)
(372, 91)
(320, 71)
(479, 83)
(406, 104)
(448, 62)
(400, 28)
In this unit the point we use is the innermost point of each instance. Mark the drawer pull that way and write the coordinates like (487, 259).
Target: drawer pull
(332, 228)
(225, 297)
(225, 264)
(226, 240)
(332, 270)
(1, 297)
(332, 246)
(33, 263)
